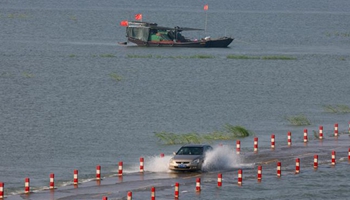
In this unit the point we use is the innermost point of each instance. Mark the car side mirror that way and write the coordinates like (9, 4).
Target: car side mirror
(174, 153)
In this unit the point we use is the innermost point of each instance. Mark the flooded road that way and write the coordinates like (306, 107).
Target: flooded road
(140, 184)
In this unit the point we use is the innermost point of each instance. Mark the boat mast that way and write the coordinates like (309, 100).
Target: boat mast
(206, 19)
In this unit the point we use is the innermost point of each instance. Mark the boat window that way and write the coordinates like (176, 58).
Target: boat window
(140, 33)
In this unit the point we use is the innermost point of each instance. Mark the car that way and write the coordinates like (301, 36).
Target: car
(189, 157)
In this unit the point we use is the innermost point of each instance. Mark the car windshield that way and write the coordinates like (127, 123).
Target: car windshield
(190, 151)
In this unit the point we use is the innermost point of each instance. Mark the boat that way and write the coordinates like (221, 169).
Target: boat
(147, 34)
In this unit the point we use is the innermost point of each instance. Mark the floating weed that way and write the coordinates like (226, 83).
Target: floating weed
(167, 138)
(277, 58)
(230, 133)
(299, 120)
(337, 108)
(237, 131)
(330, 109)
(262, 57)
(115, 77)
(175, 57)
(178, 57)
(242, 57)
(27, 75)
(15, 16)
(343, 108)
(72, 55)
(74, 18)
(107, 56)
(5, 75)
(202, 56)
(316, 134)
(338, 34)
(140, 56)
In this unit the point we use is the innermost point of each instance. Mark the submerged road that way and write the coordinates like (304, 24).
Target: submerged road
(117, 187)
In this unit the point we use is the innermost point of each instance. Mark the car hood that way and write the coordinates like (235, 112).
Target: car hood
(186, 157)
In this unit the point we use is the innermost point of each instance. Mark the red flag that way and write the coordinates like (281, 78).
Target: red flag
(124, 23)
(206, 7)
(138, 16)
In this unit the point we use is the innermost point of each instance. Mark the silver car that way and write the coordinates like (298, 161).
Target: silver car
(189, 157)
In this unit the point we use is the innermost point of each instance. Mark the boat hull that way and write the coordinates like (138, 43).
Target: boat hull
(212, 43)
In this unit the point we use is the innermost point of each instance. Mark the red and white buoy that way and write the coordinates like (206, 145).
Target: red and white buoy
(336, 130)
(129, 197)
(162, 155)
(259, 173)
(120, 168)
(297, 165)
(98, 172)
(289, 135)
(349, 128)
(1, 190)
(104, 198)
(141, 164)
(52, 181)
(349, 154)
(219, 180)
(153, 193)
(272, 141)
(305, 136)
(279, 169)
(238, 146)
(198, 184)
(255, 144)
(75, 177)
(333, 158)
(315, 161)
(26, 185)
(320, 133)
(240, 177)
(177, 186)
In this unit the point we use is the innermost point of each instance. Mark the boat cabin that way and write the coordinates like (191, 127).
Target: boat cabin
(145, 32)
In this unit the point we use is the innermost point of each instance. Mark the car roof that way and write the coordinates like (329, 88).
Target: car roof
(196, 145)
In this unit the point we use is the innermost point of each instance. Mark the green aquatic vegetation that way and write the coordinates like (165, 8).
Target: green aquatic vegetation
(5, 75)
(140, 56)
(230, 133)
(277, 58)
(237, 131)
(316, 134)
(73, 18)
(175, 57)
(15, 16)
(27, 75)
(168, 138)
(72, 55)
(338, 34)
(242, 57)
(115, 76)
(202, 56)
(298, 120)
(336, 108)
(107, 56)
(178, 57)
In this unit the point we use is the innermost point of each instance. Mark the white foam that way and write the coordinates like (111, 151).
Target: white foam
(158, 164)
(221, 158)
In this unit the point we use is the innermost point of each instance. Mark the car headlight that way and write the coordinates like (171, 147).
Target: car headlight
(171, 160)
(195, 161)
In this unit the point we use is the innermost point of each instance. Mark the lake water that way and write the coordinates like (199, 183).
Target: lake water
(62, 108)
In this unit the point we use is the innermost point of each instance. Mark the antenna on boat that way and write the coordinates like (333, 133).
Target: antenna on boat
(206, 7)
